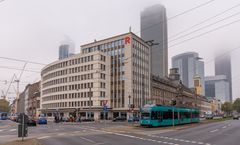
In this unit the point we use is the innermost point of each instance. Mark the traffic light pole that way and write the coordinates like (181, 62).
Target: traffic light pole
(90, 102)
(173, 115)
(23, 123)
(104, 119)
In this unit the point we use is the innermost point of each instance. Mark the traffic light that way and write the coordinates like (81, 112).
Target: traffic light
(132, 106)
(174, 102)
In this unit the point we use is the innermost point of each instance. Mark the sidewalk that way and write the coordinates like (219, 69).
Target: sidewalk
(25, 142)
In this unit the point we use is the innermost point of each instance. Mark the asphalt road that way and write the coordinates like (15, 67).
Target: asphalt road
(218, 133)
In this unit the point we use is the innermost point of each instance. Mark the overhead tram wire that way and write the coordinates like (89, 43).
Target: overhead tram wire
(202, 22)
(20, 60)
(204, 26)
(219, 56)
(13, 68)
(215, 29)
(177, 15)
(180, 37)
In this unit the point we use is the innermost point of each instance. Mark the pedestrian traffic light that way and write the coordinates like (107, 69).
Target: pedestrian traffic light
(22, 130)
(23, 118)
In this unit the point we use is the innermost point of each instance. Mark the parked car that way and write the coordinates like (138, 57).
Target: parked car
(235, 116)
(42, 120)
(87, 120)
(209, 116)
(133, 119)
(14, 117)
(32, 122)
(65, 119)
(119, 119)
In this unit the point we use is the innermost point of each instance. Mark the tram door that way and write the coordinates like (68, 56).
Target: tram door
(159, 116)
(179, 120)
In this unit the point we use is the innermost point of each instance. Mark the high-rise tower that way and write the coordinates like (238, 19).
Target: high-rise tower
(154, 27)
(223, 67)
(190, 66)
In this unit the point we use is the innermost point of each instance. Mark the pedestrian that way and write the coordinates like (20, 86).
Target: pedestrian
(55, 119)
(61, 118)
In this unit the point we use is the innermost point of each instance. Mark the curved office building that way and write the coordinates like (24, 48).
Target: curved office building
(76, 85)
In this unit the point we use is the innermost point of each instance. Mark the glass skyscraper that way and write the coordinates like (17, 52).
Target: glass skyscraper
(190, 66)
(154, 27)
(66, 49)
(223, 67)
(217, 87)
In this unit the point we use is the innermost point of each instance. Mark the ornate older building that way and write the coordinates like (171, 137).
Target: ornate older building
(164, 90)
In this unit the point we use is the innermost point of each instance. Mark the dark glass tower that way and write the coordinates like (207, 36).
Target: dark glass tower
(223, 67)
(154, 27)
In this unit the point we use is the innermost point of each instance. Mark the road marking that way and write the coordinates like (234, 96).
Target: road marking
(12, 129)
(61, 134)
(43, 137)
(131, 136)
(86, 139)
(214, 130)
(224, 126)
(152, 140)
(176, 139)
(1, 130)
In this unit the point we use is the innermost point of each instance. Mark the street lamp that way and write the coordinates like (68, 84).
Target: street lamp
(151, 44)
(129, 105)
(90, 101)
(129, 97)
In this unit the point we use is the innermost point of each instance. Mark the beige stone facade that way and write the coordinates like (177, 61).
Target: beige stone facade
(130, 71)
(67, 85)
(117, 70)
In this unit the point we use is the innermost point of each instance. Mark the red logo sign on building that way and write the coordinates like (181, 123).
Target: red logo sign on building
(127, 40)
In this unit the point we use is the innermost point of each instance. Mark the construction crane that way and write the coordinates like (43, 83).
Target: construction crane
(17, 80)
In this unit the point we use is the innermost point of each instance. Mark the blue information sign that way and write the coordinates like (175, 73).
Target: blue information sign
(105, 109)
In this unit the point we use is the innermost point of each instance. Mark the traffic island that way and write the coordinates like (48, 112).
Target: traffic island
(24, 142)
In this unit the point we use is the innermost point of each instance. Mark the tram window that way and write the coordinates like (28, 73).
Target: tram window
(159, 115)
(187, 115)
(175, 115)
(195, 115)
(167, 115)
(156, 115)
(145, 115)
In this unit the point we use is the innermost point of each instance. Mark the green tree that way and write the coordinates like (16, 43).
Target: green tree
(236, 105)
(227, 107)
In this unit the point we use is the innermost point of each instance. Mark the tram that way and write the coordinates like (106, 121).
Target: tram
(157, 115)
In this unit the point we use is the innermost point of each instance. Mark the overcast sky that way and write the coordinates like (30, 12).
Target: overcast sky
(33, 29)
